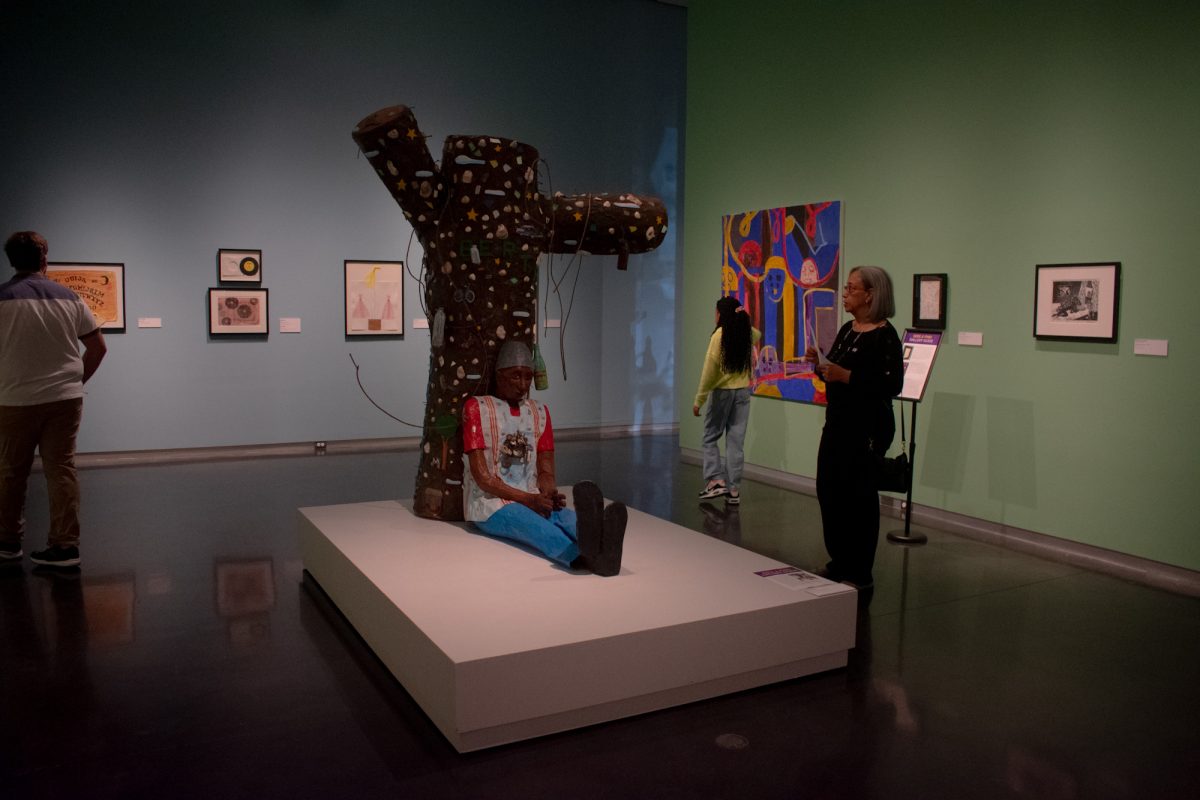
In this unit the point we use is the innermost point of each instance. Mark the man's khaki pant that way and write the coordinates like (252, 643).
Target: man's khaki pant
(49, 428)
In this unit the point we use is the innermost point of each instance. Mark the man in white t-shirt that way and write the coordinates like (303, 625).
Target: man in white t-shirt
(41, 397)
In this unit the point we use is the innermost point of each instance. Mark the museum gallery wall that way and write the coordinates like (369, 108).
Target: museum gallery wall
(214, 170)
(1014, 148)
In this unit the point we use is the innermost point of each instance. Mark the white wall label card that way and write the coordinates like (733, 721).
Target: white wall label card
(149, 322)
(554, 323)
(970, 338)
(420, 322)
(1149, 347)
(289, 324)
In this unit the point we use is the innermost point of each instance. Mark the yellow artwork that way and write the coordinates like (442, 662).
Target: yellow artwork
(100, 286)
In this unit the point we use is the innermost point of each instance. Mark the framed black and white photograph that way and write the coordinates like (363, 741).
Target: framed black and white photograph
(929, 301)
(239, 266)
(237, 312)
(1077, 302)
(374, 298)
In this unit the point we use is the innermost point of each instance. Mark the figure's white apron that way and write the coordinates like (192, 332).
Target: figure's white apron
(510, 452)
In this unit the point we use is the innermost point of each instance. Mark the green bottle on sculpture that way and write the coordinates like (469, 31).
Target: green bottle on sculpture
(541, 380)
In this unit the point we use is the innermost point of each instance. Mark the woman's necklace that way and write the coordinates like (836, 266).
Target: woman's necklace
(845, 347)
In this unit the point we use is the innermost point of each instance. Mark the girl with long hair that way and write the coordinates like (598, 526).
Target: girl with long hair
(725, 378)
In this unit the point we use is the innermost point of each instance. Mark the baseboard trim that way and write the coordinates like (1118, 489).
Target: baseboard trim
(1097, 559)
(398, 444)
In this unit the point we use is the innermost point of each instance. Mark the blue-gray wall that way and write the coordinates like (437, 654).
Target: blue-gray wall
(153, 134)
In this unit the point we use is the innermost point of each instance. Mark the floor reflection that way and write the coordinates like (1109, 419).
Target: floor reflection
(179, 662)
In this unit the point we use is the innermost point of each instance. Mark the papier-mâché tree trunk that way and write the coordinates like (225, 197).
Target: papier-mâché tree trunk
(482, 223)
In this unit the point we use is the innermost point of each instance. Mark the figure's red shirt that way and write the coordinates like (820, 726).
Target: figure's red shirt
(473, 428)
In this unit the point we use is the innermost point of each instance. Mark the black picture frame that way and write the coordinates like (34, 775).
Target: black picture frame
(1077, 302)
(929, 301)
(101, 286)
(239, 265)
(238, 312)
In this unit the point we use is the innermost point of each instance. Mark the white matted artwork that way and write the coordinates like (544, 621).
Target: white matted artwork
(374, 298)
(1077, 302)
(237, 311)
(239, 266)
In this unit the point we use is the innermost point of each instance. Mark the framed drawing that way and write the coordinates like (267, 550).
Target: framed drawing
(1077, 302)
(374, 303)
(100, 286)
(239, 266)
(929, 302)
(237, 311)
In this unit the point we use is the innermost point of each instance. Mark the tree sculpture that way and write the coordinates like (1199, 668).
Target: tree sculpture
(483, 224)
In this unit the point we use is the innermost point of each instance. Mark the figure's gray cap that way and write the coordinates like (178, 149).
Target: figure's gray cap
(514, 354)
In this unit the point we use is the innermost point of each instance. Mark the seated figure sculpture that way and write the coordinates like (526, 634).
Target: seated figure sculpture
(510, 490)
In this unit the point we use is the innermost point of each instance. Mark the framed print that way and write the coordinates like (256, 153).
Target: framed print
(237, 311)
(1077, 302)
(929, 302)
(100, 286)
(239, 266)
(374, 298)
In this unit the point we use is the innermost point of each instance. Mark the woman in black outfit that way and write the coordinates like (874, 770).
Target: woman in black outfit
(862, 374)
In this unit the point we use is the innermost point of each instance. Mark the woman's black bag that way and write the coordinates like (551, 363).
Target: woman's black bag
(895, 474)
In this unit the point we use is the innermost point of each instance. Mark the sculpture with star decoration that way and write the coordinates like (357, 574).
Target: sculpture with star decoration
(483, 224)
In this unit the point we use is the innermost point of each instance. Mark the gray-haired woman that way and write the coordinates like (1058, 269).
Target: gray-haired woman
(863, 371)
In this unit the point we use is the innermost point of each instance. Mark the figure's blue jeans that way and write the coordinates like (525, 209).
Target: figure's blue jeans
(728, 415)
(554, 538)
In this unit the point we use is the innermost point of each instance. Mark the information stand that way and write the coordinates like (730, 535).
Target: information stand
(919, 349)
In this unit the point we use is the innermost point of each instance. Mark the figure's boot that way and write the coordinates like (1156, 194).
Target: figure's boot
(616, 517)
(589, 525)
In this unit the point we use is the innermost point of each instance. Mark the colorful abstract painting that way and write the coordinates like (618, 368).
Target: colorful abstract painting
(783, 265)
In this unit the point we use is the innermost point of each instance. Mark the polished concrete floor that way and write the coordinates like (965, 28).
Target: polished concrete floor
(190, 658)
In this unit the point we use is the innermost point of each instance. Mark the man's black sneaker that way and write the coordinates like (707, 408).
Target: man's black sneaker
(10, 552)
(56, 557)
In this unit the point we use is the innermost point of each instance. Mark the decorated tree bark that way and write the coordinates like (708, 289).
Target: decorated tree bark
(483, 223)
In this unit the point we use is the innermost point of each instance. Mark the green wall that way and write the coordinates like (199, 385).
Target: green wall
(979, 139)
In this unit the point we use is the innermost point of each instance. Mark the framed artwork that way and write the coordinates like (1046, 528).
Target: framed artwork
(100, 286)
(1077, 302)
(237, 311)
(783, 265)
(374, 298)
(929, 302)
(239, 266)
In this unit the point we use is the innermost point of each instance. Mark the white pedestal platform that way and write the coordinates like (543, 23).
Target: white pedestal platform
(497, 644)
